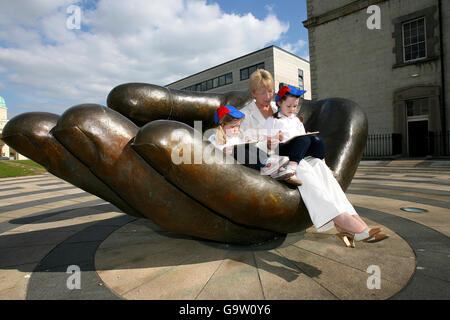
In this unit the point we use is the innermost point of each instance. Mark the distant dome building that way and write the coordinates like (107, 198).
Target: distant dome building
(6, 152)
(4, 149)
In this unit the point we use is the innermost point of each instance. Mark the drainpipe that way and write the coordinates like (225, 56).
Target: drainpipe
(441, 44)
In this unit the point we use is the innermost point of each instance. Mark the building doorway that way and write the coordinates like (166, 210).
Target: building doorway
(418, 140)
(417, 116)
(421, 104)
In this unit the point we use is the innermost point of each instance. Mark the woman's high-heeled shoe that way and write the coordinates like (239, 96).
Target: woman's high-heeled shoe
(377, 237)
(370, 234)
(347, 239)
(373, 235)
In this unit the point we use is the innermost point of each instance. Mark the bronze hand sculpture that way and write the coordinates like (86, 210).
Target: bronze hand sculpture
(123, 154)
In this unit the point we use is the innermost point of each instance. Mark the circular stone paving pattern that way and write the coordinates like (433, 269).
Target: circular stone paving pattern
(142, 261)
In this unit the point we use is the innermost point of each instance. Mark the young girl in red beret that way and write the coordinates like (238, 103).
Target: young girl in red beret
(291, 132)
(228, 120)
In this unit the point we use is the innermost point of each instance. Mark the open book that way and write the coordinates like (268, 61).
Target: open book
(301, 135)
(247, 142)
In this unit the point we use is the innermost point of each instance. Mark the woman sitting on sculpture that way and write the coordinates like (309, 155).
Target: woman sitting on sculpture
(324, 198)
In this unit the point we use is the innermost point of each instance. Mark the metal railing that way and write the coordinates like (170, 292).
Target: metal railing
(383, 145)
(439, 143)
(390, 144)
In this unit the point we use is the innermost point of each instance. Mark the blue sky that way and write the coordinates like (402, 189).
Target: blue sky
(47, 65)
(291, 11)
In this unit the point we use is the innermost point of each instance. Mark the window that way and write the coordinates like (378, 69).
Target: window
(244, 74)
(415, 37)
(414, 45)
(229, 78)
(251, 70)
(211, 83)
(247, 72)
(221, 81)
(417, 107)
(300, 79)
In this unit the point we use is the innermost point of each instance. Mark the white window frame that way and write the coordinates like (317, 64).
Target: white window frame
(424, 41)
(419, 117)
(302, 87)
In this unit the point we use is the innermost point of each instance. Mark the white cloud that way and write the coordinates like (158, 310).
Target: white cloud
(121, 41)
(29, 12)
(295, 47)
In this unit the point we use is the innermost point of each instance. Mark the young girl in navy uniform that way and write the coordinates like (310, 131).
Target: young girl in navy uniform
(228, 120)
(288, 127)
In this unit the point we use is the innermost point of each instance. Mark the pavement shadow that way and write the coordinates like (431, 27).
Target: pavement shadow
(55, 249)
(55, 216)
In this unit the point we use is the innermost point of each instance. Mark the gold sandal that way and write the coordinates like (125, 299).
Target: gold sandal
(377, 237)
(347, 239)
(372, 232)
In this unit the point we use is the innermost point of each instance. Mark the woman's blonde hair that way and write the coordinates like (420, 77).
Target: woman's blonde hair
(221, 136)
(260, 78)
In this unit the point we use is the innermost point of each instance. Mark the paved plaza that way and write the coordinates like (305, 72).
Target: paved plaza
(49, 228)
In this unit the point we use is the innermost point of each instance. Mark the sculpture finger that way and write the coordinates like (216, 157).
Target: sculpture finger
(142, 103)
(30, 134)
(217, 181)
(101, 138)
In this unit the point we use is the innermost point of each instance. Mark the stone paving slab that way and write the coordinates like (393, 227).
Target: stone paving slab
(14, 281)
(47, 224)
(134, 268)
(298, 285)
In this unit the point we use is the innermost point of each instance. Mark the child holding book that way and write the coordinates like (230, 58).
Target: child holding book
(294, 143)
(228, 120)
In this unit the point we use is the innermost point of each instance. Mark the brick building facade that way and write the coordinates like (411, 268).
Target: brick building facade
(399, 73)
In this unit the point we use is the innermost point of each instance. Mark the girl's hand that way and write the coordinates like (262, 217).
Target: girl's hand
(280, 136)
(272, 142)
(228, 150)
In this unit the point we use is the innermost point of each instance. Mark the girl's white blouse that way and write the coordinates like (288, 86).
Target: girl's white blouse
(290, 126)
(231, 141)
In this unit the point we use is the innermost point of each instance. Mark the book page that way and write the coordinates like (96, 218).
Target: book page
(248, 142)
(301, 135)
